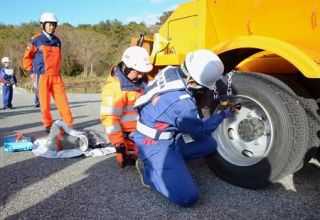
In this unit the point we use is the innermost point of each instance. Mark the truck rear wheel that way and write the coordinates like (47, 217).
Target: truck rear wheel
(266, 140)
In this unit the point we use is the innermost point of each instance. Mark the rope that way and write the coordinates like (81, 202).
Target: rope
(141, 176)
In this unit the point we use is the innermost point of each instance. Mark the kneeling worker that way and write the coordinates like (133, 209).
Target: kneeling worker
(123, 86)
(170, 131)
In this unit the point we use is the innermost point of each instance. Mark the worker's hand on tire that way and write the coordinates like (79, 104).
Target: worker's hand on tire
(228, 112)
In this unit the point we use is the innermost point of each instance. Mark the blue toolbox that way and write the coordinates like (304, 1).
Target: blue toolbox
(13, 144)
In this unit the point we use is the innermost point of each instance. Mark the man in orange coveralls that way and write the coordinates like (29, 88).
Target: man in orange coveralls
(123, 87)
(42, 59)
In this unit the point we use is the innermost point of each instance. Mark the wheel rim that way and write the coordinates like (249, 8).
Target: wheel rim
(246, 138)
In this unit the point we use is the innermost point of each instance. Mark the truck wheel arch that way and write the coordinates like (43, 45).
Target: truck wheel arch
(233, 51)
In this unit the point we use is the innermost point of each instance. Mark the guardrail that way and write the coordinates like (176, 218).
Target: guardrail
(73, 87)
(84, 87)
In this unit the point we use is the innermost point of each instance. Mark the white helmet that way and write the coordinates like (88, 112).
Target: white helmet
(48, 17)
(5, 60)
(137, 58)
(204, 67)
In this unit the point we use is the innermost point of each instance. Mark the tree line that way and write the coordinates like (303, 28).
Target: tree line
(87, 50)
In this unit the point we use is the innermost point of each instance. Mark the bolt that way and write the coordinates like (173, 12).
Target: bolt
(267, 132)
(247, 153)
(231, 133)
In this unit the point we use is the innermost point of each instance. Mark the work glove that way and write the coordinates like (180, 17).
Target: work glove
(228, 112)
(121, 156)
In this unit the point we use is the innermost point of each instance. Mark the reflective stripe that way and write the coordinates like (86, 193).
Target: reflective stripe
(173, 85)
(128, 108)
(110, 110)
(154, 133)
(108, 100)
(113, 128)
(127, 118)
(185, 96)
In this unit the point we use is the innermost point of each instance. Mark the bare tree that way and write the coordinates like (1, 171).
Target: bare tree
(88, 47)
(15, 49)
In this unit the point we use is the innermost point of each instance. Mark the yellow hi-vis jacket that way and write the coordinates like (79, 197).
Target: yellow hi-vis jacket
(117, 100)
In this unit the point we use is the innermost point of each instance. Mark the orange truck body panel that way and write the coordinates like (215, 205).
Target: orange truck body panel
(267, 36)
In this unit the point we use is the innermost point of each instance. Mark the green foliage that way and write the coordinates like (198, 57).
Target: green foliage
(87, 50)
(163, 18)
(70, 67)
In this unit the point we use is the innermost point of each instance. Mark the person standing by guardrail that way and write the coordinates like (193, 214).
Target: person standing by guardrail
(43, 58)
(8, 80)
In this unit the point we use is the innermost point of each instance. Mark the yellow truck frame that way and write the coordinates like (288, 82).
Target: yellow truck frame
(273, 50)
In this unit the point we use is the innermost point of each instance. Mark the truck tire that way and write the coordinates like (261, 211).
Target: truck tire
(312, 109)
(266, 140)
(291, 84)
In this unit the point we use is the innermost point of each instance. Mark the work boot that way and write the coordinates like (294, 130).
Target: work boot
(140, 169)
(131, 162)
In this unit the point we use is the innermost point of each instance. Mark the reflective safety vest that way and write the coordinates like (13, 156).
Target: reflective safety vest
(117, 101)
(168, 80)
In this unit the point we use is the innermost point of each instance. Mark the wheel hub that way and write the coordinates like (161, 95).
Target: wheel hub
(250, 129)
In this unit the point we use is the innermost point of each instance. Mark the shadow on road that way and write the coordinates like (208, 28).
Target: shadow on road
(86, 124)
(78, 102)
(8, 131)
(14, 112)
(20, 175)
(112, 193)
(106, 193)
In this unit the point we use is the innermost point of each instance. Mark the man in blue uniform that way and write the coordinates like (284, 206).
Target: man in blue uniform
(170, 131)
(8, 79)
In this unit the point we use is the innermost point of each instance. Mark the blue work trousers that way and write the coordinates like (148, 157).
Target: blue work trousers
(36, 100)
(7, 92)
(165, 167)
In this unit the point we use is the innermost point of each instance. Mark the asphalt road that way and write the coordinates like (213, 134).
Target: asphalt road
(95, 188)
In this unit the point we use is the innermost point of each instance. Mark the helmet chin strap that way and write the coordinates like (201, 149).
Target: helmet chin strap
(184, 69)
(126, 70)
(190, 82)
(193, 85)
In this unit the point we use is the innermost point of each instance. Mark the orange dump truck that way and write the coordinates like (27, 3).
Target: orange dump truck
(272, 49)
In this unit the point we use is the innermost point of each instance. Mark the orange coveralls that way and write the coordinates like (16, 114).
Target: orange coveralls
(43, 57)
(116, 111)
